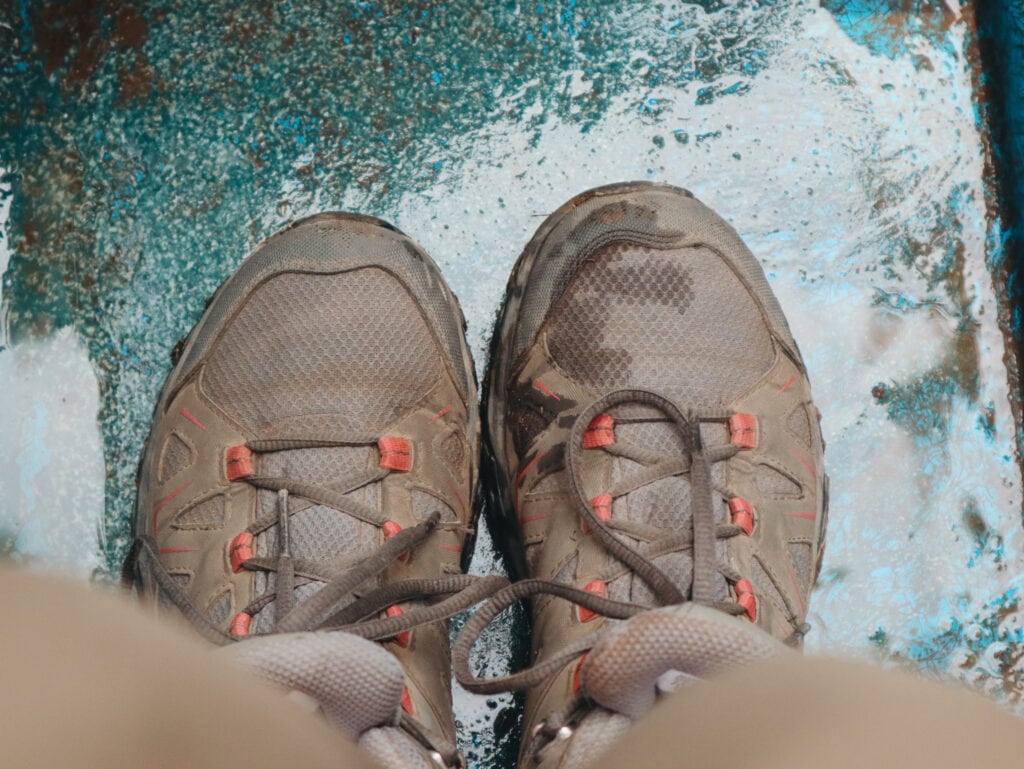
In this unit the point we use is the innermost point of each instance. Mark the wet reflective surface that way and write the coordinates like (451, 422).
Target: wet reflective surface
(149, 150)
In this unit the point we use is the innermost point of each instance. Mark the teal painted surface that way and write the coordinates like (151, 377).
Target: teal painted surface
(148, 150)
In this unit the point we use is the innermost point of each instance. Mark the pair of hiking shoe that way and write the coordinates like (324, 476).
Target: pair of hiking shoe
(650, 449)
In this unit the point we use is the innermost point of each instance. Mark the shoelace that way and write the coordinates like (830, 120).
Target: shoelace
(329, 609)
(696, 462)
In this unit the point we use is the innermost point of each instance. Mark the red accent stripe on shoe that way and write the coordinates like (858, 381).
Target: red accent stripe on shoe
(451, 488)
(522, 473)
(163, 502)
(531, 518)
(808, 465)
(544, 389)
(188, 415)
(597, 587)
(789, 383)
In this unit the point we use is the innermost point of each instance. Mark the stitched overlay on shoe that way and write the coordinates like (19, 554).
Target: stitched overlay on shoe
(695, 463)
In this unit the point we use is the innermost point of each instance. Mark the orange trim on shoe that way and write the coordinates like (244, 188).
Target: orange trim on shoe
(395, 453)
(240, 550)
(743, 431)
(600, 432)
(597, 587)
(239, 463)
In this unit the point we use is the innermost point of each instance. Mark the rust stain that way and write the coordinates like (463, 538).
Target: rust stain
(136, 84)
(64, 30)
(130, 28)
(70, 35)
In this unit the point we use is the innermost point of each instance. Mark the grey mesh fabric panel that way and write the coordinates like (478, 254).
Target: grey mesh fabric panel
(632, 309)
(325, 243)
(357, 684)
(356, 333)
(670, 217)
(665, 503)
(453, 449)
(764, 585)
(175, 457)
(394, 749)
(771, 481)
(317, 531)
(424, 504)
(205, 514)
(799, 424)
(800, 552)
(220, 608)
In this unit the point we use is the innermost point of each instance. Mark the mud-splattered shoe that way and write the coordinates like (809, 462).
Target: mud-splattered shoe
(654, 445)
(310, 469)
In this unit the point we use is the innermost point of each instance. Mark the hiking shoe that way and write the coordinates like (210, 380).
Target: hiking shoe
(310, 468)
(654, 444)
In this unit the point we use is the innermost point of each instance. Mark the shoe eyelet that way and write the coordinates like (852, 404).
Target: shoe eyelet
(743, 431)
(602, 506)
(402, 639)
(395, 453)
(745, 597)
(742, 514)
(407, 705)
(240, 551)
(240, 625)
(600, 432)
(238, 463)
(390, 529)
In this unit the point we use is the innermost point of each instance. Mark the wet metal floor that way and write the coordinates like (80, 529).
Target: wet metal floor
(148, 149)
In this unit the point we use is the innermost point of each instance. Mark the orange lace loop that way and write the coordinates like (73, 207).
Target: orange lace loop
(600, 432)
(395, 453)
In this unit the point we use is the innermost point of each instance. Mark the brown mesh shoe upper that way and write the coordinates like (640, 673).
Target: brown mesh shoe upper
(312, 462)
(652, 434)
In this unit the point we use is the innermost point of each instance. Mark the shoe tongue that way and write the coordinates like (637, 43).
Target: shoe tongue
(357, 684)
(623, 671)
(666, 503)
(316, 532)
